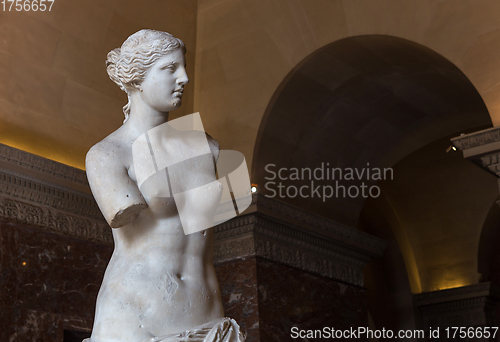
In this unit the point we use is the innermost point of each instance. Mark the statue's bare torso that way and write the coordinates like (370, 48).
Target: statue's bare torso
(159, 281)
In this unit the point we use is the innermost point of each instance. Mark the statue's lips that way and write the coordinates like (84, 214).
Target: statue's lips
(178, 92)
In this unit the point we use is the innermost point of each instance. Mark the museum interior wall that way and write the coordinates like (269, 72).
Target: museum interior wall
(384, 84)
(55, 89)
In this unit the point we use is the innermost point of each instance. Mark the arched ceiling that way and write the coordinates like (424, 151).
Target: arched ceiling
(366, 99)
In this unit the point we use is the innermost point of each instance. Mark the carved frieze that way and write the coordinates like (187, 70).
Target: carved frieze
(47, 205)
(482, 148)
(467, 141)
(36, 163)
(56, 221)
(467, 306)
(266, 236)
(329, 226)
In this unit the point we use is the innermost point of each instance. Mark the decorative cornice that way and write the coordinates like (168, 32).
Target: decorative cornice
(447, 307)
(46, 205)
(27, 188)
(376, 245)
(463, 292)
(261, 233)
(482, 148)
(39, 164)
(55, 221)
(270, 229)
(466, 306)
(491, 162)
(475, 139)
(289, 255)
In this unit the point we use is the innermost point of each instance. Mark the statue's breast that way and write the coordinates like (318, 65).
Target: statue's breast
(165, 165)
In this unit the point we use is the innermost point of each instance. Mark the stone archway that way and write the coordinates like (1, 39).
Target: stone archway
(366, 99)
(371, 100)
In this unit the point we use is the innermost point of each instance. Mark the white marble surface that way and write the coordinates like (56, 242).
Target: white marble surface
(159, 281)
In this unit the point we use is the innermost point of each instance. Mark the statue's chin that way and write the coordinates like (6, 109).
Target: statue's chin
(172, 104)
(176, 103)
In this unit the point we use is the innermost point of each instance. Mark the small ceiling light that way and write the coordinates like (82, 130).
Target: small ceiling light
(24, 263)
(253, 188)
(451, 148)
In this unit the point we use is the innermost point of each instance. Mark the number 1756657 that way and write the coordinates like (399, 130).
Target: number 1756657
(27, 5)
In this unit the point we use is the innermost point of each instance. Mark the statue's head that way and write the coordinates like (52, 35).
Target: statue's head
(127, 66)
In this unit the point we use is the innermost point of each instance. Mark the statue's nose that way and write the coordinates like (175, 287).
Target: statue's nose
(183, 79)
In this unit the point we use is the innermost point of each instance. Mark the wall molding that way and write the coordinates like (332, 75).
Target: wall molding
(476, 139)
(262, 233)
(467, 306)
(327, 226)
(35, 163)
(55, 221)
(55, 203)
(482, 148)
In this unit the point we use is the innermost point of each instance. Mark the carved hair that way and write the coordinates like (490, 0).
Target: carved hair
(127, 66)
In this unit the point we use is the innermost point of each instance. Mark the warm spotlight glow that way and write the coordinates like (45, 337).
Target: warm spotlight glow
(450, 287)
(254, 188)
(24, 263)
(446, 285)
(34, 146)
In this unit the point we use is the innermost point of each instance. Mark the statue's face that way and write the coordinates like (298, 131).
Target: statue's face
(163, 85)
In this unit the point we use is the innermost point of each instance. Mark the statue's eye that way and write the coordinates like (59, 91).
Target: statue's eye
(170, 67)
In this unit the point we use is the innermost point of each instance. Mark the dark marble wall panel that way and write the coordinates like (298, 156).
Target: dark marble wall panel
(28, 325)
(292, 298)
(48, 282)
(22, 325)
(8, 274)
(268, 299)
(238, 283)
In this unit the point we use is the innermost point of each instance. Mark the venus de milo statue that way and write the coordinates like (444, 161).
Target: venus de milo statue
(160, 284)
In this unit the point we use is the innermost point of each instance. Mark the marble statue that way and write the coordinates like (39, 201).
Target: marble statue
(160, 284)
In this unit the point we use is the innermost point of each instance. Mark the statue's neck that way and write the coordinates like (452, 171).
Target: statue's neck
(143, 118)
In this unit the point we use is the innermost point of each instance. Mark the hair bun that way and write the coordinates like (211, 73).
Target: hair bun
(113, 56)
(111, 67)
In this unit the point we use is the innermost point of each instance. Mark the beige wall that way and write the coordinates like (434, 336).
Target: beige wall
(56, 99)
(246, 48)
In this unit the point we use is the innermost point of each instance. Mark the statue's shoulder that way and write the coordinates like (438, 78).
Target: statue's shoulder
(214, 146)
(108, 151)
